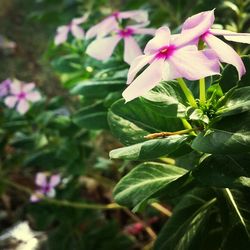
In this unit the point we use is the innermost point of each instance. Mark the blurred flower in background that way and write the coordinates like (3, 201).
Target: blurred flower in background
(5, 87)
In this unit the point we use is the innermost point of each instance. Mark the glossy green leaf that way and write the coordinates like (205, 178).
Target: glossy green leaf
(98, 88)
(224, 171)
(132, 121)
(150, 149)
(144, 181)
(230, 135)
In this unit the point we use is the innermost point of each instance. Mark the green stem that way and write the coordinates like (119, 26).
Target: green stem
(187, 125)
(187, 92)
(202, 84)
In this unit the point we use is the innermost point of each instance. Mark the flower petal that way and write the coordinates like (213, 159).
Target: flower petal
(102, 48)
(22, 106)
(41, 179)
(54, 180)
(77, 32)
(161, 39)
(145, 81)
(33, 96)
(34, 197)
(139, 16)
(103, 28)
(62, 34)
(16, 87)
(225, 53)
(137, 64)
(232, 36)
(194, 64)
(131, 49)
(145, 31)
(197, 25)
(51, 193)
(10, 101)
(79, 20)
(28, 87)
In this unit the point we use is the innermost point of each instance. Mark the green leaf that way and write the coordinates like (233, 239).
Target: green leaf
(144, 181)
(187, 228)
(98, 88)
(150, 149)
(224, 171)
(229, 78)
(230, 135)
(132, 121)
(167, 99)
(91, 117)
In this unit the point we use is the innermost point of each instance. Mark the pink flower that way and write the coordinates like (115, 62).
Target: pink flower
(73, 27)
(46, 186)
(5, 87)
(110, 23)
(168, 57)
(199, 27)
(102, 48)
(21, 95)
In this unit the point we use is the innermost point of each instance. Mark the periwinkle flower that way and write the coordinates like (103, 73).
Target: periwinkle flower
(5, 87)
(46, 186)
(198, 27)
(110, 23)
(21, 95)
(168, 57)
(73, 27)
(102, 48)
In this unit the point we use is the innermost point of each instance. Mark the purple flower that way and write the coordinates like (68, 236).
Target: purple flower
(110, 23)
(46, 186)
(199, 27)
(5, 87)
(73, 27)
(103, 47)
(21, 95)
(168, 57)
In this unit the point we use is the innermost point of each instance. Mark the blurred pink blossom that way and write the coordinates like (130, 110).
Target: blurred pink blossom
(46, 186)
(20, 96)
(168, 57)
(111, 23)
(5, 87)
(73, 27)
(102, 48)
(199, 27)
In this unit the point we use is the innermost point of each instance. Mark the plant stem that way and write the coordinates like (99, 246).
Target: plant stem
(165, 134)
(202, 84)
(187, 92)
(161, 208)
(187, 125)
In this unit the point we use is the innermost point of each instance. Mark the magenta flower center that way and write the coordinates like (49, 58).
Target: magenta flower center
(127, 32)
(46, 189)
(165, 52)
(202, 37)
(21, 95)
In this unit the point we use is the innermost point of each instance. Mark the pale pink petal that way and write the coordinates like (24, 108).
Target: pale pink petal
(23, 106)
(41, 180)
(103, 28)
(51, 193)
(34, 198)
(139, 16)
(33, 96)
(77, 32)
(62, 34)
(232, 36)
(131, 49)
(28, 87)
(80, 20)
(195, 26)
(145, 31)
(194, 65)
(225, 53)
(148, 79)
(16, 87)
(137, 64)
(54, 180)
(10, 101)
(161, 39)
(102, 48)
